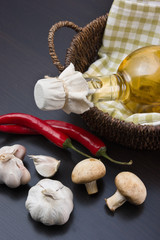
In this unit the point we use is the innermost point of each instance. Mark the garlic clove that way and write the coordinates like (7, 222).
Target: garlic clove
(20, 151)
(26, 177)
(25, 174)
(12, 180)
(46, 166)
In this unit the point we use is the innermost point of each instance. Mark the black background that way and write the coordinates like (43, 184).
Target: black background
(24, 58)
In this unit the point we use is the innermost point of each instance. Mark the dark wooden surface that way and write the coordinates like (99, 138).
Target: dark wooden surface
(24, 58)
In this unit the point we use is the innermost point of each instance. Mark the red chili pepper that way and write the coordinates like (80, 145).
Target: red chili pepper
(17, 129)
(90, 141)
(54, 135)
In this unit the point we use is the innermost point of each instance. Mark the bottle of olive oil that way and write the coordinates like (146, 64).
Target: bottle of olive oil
(136, 83)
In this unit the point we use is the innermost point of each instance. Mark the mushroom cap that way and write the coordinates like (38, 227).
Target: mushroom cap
(88, 170)
(131, 187)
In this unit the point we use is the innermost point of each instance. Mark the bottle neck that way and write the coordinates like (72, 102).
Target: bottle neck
(106, 88)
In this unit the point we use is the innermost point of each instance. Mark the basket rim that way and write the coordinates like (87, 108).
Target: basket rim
(128, 134)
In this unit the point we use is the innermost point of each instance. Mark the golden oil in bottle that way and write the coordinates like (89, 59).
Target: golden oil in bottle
(136, 83)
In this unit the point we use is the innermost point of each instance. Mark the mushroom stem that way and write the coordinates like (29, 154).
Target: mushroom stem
(91, 187)
(115, 201)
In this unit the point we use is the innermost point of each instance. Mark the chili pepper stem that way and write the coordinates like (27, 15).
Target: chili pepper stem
(82, 153)
(68, 144)
(102, 153)
(114, 161)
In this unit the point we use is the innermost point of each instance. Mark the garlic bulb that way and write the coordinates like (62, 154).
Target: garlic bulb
(12, 171)
(46, 166)
(50, 202)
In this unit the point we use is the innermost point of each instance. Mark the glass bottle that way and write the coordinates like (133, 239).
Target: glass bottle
(136, 83)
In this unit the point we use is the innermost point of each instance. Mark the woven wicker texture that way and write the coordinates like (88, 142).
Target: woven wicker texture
(82, 52)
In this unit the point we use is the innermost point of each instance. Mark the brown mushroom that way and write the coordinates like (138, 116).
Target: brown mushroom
(87, 172)
(129, 188)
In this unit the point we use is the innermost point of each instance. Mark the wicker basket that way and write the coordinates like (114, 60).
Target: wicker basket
(82, 52)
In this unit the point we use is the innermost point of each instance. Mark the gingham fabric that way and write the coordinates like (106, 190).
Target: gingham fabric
(131, 24)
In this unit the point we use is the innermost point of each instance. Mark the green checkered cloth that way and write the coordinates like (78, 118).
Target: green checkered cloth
(131, 24)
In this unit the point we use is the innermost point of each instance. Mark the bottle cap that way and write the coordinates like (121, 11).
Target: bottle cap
(49, 94)
(69, 92)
